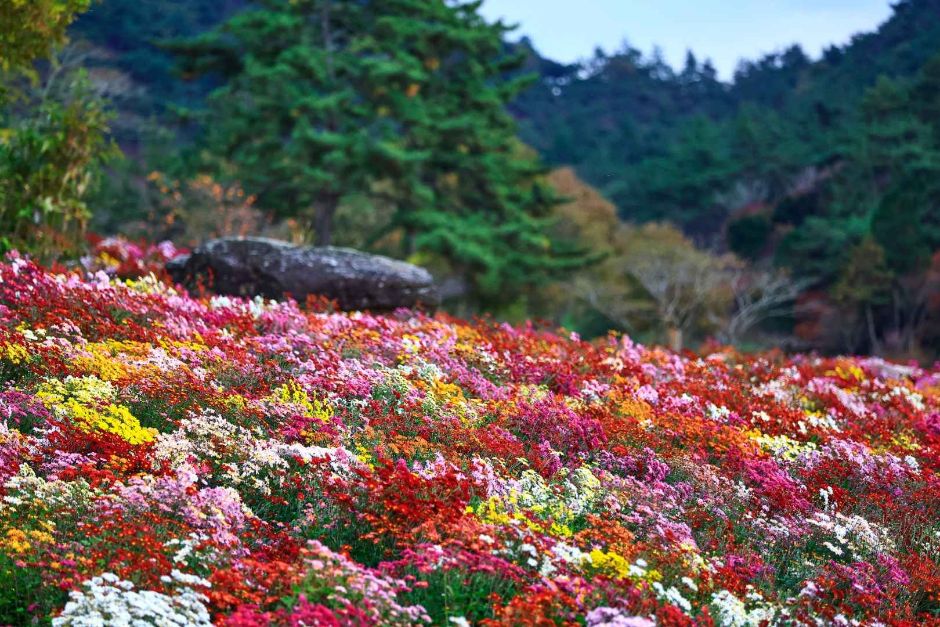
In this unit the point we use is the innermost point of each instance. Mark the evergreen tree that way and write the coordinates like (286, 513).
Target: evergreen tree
(477, 198)
(682, 185)
(902, 158)
(297, 114)
(403, 99)
(690, 71)
(863, 285)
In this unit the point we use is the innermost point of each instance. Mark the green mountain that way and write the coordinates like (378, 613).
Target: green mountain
(617, 117)
(669, 144)
(827, 168)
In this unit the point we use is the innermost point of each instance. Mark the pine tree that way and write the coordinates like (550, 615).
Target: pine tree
(903, 160)
(405, 99)
(297, 112)
(478, 198)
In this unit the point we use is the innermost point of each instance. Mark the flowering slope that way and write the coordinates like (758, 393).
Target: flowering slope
(172, 460)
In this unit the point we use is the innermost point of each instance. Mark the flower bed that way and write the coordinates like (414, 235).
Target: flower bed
(176, 460)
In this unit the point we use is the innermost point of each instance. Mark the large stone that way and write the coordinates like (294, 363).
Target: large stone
(255, 266)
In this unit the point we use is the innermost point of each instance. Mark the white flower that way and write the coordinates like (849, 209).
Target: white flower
(717, 413)
(612, 617)
(672, 596)
(809, 590)
(637, 570)
(109, 600)
(731, 611)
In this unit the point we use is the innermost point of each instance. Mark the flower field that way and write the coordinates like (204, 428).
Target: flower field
(173, 460)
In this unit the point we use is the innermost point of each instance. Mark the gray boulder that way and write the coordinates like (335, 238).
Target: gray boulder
(256, 266)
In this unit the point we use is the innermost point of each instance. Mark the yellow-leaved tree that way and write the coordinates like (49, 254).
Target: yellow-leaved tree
(53, 131)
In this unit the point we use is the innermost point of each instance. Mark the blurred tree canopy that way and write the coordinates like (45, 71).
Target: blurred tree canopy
(52, 131)
(31, 29)
(403, 100)
(827, 170)
(418, 129)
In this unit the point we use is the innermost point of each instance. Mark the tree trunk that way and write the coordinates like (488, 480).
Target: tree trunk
(327, 34)
(323, 220)
(408, 243)
(874, 344)
(674, 337)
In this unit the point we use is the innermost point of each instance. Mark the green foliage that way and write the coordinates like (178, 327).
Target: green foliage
(613, 112)
(325, 100)
(902, 154)
(49, 157)
(682, 185)
(748, 236)
(23, 594)
(863, 285)
(52, 132)
(763, 150)
(454, 592)
(31, 29)
(297, 113)
(907, 225)
(865, 279)
(135, 32)
(817, 248)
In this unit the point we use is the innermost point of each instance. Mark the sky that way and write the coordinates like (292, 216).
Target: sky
(722, 30)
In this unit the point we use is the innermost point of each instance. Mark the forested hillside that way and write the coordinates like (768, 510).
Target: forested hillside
(576, 372)
(824, 170)
(664, 143)
(619, 116)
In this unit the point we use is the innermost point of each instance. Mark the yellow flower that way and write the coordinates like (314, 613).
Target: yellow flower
(291, 393)
(83, 402)
(15, 541)
(150, 285)
(99, 358)
(610, 564)
(781, 446)
(904, 440)
(507, 511)
(115, 419)
(363, 455)
(848, 371)
(39, 536)
(234, 401)
(14, 353)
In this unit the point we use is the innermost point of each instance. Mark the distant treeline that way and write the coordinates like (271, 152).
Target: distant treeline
(797, 205)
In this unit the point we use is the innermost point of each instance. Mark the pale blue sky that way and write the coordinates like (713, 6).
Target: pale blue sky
(724, 30)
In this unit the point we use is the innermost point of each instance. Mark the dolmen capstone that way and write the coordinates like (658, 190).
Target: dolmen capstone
(257, 266)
